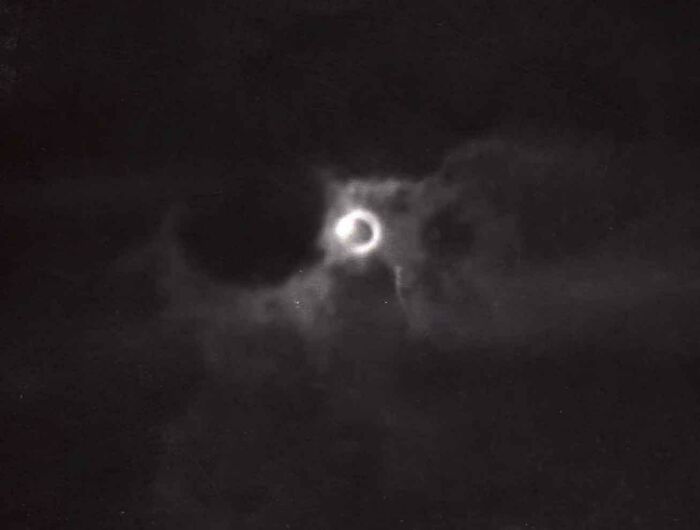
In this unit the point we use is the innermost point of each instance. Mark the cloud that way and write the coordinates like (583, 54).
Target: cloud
(510, 246)
(504, 233)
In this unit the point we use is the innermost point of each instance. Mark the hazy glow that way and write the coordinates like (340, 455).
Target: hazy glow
(349, 230)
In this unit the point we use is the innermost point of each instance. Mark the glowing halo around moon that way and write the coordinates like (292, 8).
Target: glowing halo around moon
(360, 231)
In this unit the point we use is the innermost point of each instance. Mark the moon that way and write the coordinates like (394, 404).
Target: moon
(360, 231)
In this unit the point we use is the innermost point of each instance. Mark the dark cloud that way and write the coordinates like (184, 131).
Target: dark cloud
(229, 233)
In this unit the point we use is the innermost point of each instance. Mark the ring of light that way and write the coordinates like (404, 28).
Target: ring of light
(345, 228)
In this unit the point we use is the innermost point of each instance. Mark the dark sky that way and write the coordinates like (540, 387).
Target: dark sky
(141, 388)
(133, 83)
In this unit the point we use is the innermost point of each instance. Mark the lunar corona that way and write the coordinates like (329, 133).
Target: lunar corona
(359, 231)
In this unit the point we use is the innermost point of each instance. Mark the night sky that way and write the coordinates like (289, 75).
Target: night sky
(188, 343)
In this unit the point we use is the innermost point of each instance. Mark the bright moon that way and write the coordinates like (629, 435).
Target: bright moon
(360, 231)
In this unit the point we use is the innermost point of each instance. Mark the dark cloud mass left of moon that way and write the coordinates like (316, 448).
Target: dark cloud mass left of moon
(258, 232)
